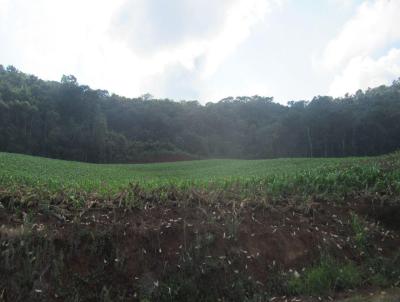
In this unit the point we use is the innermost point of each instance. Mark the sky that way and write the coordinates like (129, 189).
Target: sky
(206, 50)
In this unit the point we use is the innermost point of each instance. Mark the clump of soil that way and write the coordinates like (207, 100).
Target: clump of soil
(177, 251)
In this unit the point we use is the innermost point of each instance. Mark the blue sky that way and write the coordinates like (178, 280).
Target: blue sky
(206, 49)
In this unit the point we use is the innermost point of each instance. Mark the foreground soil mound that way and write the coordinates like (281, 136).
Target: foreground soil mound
(315, 250)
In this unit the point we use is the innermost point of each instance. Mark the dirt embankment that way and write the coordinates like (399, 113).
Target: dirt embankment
(176, 251)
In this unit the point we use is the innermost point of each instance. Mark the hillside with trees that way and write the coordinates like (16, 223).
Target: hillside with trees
(67, 120)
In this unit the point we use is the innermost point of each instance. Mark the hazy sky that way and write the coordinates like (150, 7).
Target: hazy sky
(206, 49)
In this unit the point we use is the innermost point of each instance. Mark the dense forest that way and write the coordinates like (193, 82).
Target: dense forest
(71, 121)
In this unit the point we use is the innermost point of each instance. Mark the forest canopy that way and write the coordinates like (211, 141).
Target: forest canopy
(67, 120)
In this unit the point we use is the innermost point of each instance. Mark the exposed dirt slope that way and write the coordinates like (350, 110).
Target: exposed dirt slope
(164, 252)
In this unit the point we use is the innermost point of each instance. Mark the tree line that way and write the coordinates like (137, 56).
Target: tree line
(70, 121)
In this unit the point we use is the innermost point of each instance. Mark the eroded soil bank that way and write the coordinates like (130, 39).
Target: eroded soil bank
(199, 252)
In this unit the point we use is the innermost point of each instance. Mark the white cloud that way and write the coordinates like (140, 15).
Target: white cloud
(184, 43)
(54, 37)
(239, 21)
(364, 72)
(183, 64)
(364, 53)
(50, 38)
(375, 25)
(149, 26)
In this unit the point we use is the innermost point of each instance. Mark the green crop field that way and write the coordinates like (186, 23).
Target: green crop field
(272, 176)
